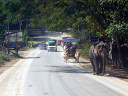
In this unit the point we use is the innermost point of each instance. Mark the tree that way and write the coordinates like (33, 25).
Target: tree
(119, 32)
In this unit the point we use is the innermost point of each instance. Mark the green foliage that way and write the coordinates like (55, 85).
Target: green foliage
(118, 30)
(36, 22)
(5, 58)
(85, 49)
(25, 37)
(85, 17)
(34, 42)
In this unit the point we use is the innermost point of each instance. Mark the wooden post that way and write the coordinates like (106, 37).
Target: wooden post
(8, 40)
(16, 46)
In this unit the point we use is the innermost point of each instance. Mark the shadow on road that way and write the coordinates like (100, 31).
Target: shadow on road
(80, 62)
(59, 51)
(29, 57)
(66, 69)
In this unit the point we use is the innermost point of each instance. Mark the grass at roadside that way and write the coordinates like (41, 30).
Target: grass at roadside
(5, 58)
(34, 42)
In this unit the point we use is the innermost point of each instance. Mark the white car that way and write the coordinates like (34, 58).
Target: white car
(52, 48)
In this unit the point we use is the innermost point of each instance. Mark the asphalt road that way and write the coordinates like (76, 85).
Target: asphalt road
(49, 75)
(44, 73)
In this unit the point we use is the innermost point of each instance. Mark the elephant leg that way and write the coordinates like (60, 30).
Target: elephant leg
(93, 66)
(103, 63)
(76, 59)
(93, 60)
(100, 65)
(102, 68)
(91, 55)
(94, 70)
(96, 64)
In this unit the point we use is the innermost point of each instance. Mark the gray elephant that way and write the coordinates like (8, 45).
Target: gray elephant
(98, 55)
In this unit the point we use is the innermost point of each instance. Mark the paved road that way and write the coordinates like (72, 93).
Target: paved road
(44, 73)
(49, 75)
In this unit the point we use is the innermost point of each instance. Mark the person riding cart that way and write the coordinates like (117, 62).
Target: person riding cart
(68, 45)
(73, 50)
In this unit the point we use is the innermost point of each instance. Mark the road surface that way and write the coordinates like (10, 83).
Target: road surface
(44, 73)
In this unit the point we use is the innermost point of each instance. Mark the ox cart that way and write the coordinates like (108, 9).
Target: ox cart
(70, 51)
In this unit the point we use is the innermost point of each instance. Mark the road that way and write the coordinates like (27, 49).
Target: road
(44, 73)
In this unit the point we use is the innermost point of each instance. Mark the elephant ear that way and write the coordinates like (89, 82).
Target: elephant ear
(96, 52)
(92, 47)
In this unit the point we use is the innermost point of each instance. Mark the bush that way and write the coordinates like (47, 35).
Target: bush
(85, 50)
(5, 58)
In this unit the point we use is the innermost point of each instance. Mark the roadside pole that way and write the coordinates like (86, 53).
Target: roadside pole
(16, 46)
(31, 42)
(8, 41)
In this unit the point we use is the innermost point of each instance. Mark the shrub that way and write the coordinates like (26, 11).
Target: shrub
(5, 58)
(85, 49)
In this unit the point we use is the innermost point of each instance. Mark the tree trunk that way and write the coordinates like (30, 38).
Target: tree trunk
(98, 22)
(119, 52)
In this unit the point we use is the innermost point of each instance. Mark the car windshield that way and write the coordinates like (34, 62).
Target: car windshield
(42, 44)
(59, 40)
(52, 44)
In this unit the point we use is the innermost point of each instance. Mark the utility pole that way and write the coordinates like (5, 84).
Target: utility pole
(8, 39)
(19, 23)
(16, 36)
(27, 32)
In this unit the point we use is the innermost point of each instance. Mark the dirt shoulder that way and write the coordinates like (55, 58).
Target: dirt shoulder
(23, 53)
(117, 73)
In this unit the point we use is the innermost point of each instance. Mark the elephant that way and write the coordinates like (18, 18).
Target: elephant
(98, 55)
